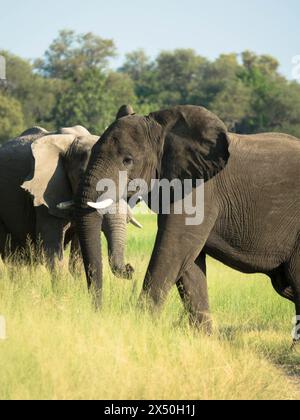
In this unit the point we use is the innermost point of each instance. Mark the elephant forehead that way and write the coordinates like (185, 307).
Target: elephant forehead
(131, 127)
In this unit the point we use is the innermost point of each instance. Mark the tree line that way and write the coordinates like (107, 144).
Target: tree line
(73, 83)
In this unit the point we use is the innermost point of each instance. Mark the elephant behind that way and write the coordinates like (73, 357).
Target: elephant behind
(39, 171)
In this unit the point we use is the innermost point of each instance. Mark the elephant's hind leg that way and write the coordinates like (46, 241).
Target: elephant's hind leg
(75, 258)
(193, 291)
(292, 269)
(3, 241)
(281, 285)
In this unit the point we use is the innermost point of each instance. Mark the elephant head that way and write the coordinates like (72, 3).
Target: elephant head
(58, 163)
(184, 142)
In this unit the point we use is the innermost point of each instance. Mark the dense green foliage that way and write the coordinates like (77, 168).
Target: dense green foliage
(11, 117)
(74, 84)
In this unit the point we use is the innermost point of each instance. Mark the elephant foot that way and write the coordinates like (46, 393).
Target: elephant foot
(126, 273)
(202, 323)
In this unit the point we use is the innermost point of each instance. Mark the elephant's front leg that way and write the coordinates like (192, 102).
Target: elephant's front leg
(192, 287)
(176, 249)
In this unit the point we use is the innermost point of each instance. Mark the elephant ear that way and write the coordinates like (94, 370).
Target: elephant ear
(48, 182)
(195, 143)
(125, 111)
(77, 130)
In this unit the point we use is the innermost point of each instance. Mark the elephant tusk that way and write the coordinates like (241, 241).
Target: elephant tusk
(131, 219)
(101, 205)
(66, 205)
(135, 223)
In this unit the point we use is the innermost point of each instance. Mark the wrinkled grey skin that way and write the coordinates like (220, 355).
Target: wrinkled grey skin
(38, 171)
(252, 202)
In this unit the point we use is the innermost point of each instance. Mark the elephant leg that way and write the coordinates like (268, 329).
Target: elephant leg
(51, 232)
(3, 241)
(192, 287)
(176, 249)
(281, 285)
(292, 269)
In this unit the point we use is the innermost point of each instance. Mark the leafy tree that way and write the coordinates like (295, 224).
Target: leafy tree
(214, 78)
(93, 102)
(72, 84)
(89, 93)
(267, 64)
(232, 103)
(136, 64)
(142, 71)
(274, 100)
(71, 53)
(11, 118)
(176, 72)
(167, 81)
(36, 94)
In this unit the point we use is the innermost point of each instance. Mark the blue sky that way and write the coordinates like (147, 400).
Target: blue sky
(210, 27)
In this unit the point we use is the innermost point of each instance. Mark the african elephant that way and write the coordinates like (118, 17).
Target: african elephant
(39, 175)
(251, 207)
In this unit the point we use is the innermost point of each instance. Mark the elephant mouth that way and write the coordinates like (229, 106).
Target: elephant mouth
(107, 204)
(101, 204)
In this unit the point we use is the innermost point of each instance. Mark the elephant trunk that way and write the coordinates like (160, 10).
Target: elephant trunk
(89, 225)
(89, 231)
(114, 227)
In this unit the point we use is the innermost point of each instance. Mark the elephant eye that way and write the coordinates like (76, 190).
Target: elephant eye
(128, 161)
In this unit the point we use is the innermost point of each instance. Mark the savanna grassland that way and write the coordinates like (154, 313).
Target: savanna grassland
(59, 348)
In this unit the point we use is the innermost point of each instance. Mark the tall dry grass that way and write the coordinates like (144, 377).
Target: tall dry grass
(59, 348)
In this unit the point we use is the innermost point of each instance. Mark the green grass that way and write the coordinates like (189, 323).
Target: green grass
(59, 348)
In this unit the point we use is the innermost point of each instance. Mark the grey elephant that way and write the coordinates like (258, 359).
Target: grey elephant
(251, 207)
(39, 176)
